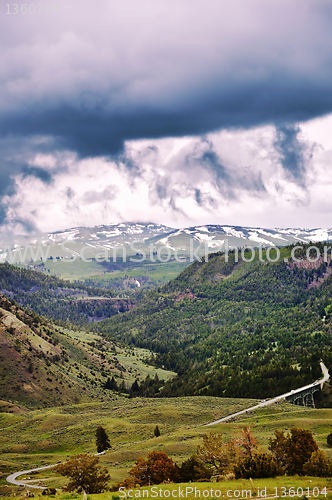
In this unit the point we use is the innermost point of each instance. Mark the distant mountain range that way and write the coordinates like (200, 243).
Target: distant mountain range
(113, 236)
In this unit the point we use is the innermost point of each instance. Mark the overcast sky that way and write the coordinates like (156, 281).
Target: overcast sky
(179, 112)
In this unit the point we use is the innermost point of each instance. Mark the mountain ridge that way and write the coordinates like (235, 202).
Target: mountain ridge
(138, 237)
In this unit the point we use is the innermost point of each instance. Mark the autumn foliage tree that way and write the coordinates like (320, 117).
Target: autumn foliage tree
(84, 473)
(293, 453)
(250, 462)
(247, 442)
(293, 450)
(158, 468)
(213, 452)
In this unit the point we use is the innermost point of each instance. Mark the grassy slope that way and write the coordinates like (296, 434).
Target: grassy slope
(41, 364)
(45, 436)
(36, 369)
(101, 275)
(149, 274)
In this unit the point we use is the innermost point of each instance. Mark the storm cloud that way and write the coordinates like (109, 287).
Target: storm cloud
(93, 78)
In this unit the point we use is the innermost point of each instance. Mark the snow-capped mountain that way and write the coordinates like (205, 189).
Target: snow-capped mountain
(145, 236)
(113, 234)
(216, 235)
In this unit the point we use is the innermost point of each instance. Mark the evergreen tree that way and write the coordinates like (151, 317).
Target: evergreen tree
(135, 389)
(157, 431)
(123, 388)
(111, 384)
(102, 439)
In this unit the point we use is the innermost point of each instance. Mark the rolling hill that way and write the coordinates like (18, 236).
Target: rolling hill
(43, 365)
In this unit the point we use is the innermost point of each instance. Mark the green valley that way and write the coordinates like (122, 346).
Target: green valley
(178, 356)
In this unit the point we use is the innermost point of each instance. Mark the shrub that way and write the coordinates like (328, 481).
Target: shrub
(194, 470)
(318, 465)
(329, 439)
(128, 484)
(255, 466)
(49, 491)
(227, 477)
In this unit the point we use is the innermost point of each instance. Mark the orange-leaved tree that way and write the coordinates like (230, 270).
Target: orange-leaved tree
(247, 442)
(293, 450)
(157, 469)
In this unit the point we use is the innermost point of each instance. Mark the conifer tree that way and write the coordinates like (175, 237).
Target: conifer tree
(102, 439)
(157, 431)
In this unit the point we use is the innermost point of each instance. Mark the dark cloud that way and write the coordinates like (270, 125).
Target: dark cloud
(230, 180)
(70, 193)
(27, 225)
(17, 157)
(294, 153)
(3, 213)
(91, 133)
(6, 182)
(151, 71)
(37, 172)
(161, 190)
(125, 71)
(198, 196)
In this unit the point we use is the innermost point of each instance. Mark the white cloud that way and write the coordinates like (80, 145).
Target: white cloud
(229, 177)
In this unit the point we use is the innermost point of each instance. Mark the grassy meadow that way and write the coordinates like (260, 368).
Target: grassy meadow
(157, 272)
(36, 438)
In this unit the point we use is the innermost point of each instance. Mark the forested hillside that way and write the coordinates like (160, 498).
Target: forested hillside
(235, 329)
(60, 300)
